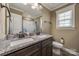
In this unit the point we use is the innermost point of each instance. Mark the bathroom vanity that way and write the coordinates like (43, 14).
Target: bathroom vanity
(38, 47)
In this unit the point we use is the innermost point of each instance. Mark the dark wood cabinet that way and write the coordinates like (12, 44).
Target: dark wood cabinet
(37, 53)
(44, 51)
(49, 50)
(27, 51)
(47, 47)
(43, 48)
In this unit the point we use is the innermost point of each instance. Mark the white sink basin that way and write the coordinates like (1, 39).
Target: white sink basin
(18, 42)
(39, 36)
(4, 44)
(42, 36)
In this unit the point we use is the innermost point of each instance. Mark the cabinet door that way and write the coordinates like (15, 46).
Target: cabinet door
(49, 50)
(47, 47)
(37, 53)
(44, 51)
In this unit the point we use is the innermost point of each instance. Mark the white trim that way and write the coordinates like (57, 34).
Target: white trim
(70, 7)
(54, 8)
(58, 7)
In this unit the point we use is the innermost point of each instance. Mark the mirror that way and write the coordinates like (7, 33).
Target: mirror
(24, 19)
(14, 25)
(29, 26)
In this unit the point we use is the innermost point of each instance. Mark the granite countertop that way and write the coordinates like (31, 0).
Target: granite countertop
(20, 46)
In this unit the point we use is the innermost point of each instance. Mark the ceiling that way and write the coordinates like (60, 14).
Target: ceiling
(26, 9)
(53, 6)
(34, 12)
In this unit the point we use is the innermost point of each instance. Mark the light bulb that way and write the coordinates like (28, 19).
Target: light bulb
(33, 7)
(25, 3)
(40, 7)
(35, 4)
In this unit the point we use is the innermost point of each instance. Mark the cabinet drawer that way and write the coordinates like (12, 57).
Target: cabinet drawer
(26, 51)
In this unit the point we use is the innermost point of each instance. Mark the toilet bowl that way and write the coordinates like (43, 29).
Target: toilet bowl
(57, 44)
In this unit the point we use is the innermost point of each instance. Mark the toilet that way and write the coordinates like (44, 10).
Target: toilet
(57, 48)
(60, 50)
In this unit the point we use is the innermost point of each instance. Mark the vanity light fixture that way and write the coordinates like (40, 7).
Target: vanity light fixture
(36, 6)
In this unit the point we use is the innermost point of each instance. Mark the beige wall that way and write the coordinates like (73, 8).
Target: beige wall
(46, 20)
(2, 19)
(71, 37)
